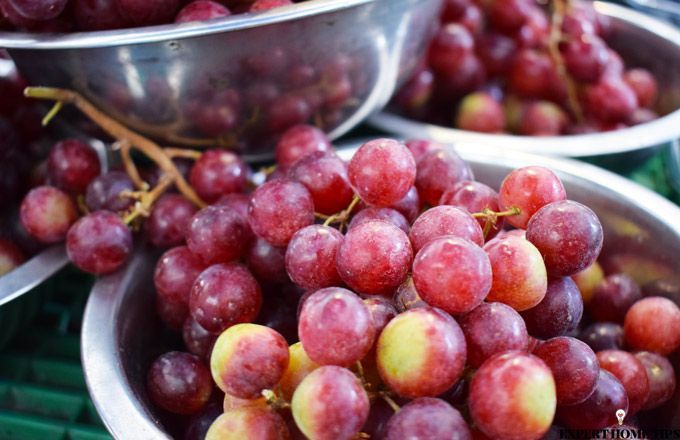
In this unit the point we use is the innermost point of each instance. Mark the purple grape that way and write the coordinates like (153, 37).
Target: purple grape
(558, 313)
(427, 418)
(169, 220)
(104, 192)
(217, 234)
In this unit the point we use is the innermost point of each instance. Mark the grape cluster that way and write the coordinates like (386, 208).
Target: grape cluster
(399, 318)
(97, 15)
(512, 66)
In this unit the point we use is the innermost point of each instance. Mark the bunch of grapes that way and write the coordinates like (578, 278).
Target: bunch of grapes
(97, 15)
(507, 66)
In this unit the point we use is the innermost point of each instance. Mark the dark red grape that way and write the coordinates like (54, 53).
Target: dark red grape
(508, 15)
(451, 43)
(378, 417)
(414, 95)
(585, 58)
(40, 10)
(216, 173)
(335, 327)
(148, 12)
(386, 214)
(603, 336)
(574, 367)
(599, 409)
(239, 203)
(558, 313)
(439, 171)
(653, 324)
(266, 262)
(382, 171)
(179, 382)
(224, 295)
(200, 10)
(568, 235)
(47, 213)
(631, 373)
(381, 310)
(406, 297)
(452, 273)
(613, 297)
(72, 164)
(299, 141)
(280, 208)
(217, 234)
(169, 220)
(104, 192)
(492, 328)
(286, 111)
(99, 243)
(420, 147)
(465, 76)
(197, 340)
(661, 378)
(531, 74)
(10, 256)
(445, 220)
(374, 257)
(496, 52)
(198, 425)
(643, 84)
(427, 418)
(311, 255)
(610, 100)
(454, 10)
(480, 112)
(409, 205)
(325, 176)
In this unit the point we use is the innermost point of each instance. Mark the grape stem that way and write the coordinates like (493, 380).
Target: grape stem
(389, 401)
(343, 215)
(274, 401)
(491, 217)
(145, 199)
(559, 8)
(173, 153)
(122, 134)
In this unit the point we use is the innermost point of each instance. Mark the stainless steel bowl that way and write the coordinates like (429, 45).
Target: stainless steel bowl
(202, 84)
(121, 333)
(642, 41)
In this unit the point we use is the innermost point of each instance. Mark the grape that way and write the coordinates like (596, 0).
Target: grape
(609, 100)
(197, 340)
(480, 112)
(200, 10)
(99, 243)
(310, 257)
(299, 366)
(543, 118)
(216, 173)
(599, 409)
(47, 213)
(299, 141)
(603, 336)
(465, 76)
(10, 256)
(631, 373)
(219, 116)
(382, 171)
(661, 378)
(558, 313)
(454, 10)
(415, 93)
(325, 176)
(335, 327)
(386, 214)
(406, 297)
(496, 52)
(40, 10)
(239, 203)
(475, 197)
(267, 262)
(653, 324)
(175, 273)
(263, 5)
(409, 205)
(508, 15)
(643, 84)
(374, 257)
(104, 192)
(378, 417)
(330, 404)
(169, 220)
(279, 310)
(179, 382)
(248, 358)
(286, 111)
(232, 402)
(421, 352)
(148, 12)
(381, 310)
(420, 147)
(529, 189)
(531, 74)
(519, 276)
(492, 328)
(451, 43)
(588, 279)
(199, 424)
(280, 208)
(224, 295)
(217, 234)
(72, 164)
(568, 235)
(535, 31)
(585, 58)
(453, 274)
(427, 418)
(9, 13)
(439, 171)
(574, 367)
(512, 396)
(642, 116)
(613, 297)
(472, 19)
(248, 422)
(445, 220)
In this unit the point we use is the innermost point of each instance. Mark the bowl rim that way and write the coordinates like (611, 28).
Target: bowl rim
(647, 135)
(173, 31)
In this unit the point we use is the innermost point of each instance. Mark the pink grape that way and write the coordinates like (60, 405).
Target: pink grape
(475, 197)
(427, 418)
(217, 173)
(299, 141)
(310, 257)
(438, 171)
(199, 10)
(653, 324)
(325, 176)
(386, 214)
(47, 213)
(445, 220)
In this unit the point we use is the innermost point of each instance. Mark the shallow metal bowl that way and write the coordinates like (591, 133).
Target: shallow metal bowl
(202, 84)
(642, 41)
(121, 333)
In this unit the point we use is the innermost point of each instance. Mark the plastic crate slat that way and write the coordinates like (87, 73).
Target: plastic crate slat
(43, 402)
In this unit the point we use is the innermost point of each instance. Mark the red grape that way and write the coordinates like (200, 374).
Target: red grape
(382, 171)
(216, 173)
(104, 192)
(492, 328)
(653, 324)
(603, 336)
(10, 256)
(427, 418)
(386, 214)
(266, 262)
(40, 10)
(99, 243)
(381, 310)
(374, 257)
(613, 297)
(179, 382)
(409, 205)
(280, 208)
(249, 422)
(299, 141)
(47, 213)
(445, 220)
(72, 164)
(97, 15)
(197, 340)
(558, 313)
(496, 52)
(643, 83)
(335, 327)
(263, 5)
(438, 171)
(588, 279)
(543, 118)
(661, 378)
(199, 10)
(325, 176)
(420, 147)
(452, 273)
(475, 197)
(454, 10)
(414, 95)
(224, 295)
(568, 235)
(217, 234)
(239, 203)
(198, 425)
(574, 367)
(299, 366)
(631, 373)
(480, 112)
(531, 73)
(286, 111)
(610, 100)
(310, 257)
(451, 43)
(464, 76)
(585, 58)
(169, 220)
(148, 12)
(406, 297)
(508, 15)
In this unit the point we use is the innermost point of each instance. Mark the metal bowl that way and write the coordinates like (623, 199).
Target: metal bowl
(121, 333)
(241, 80)
(642, 41)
